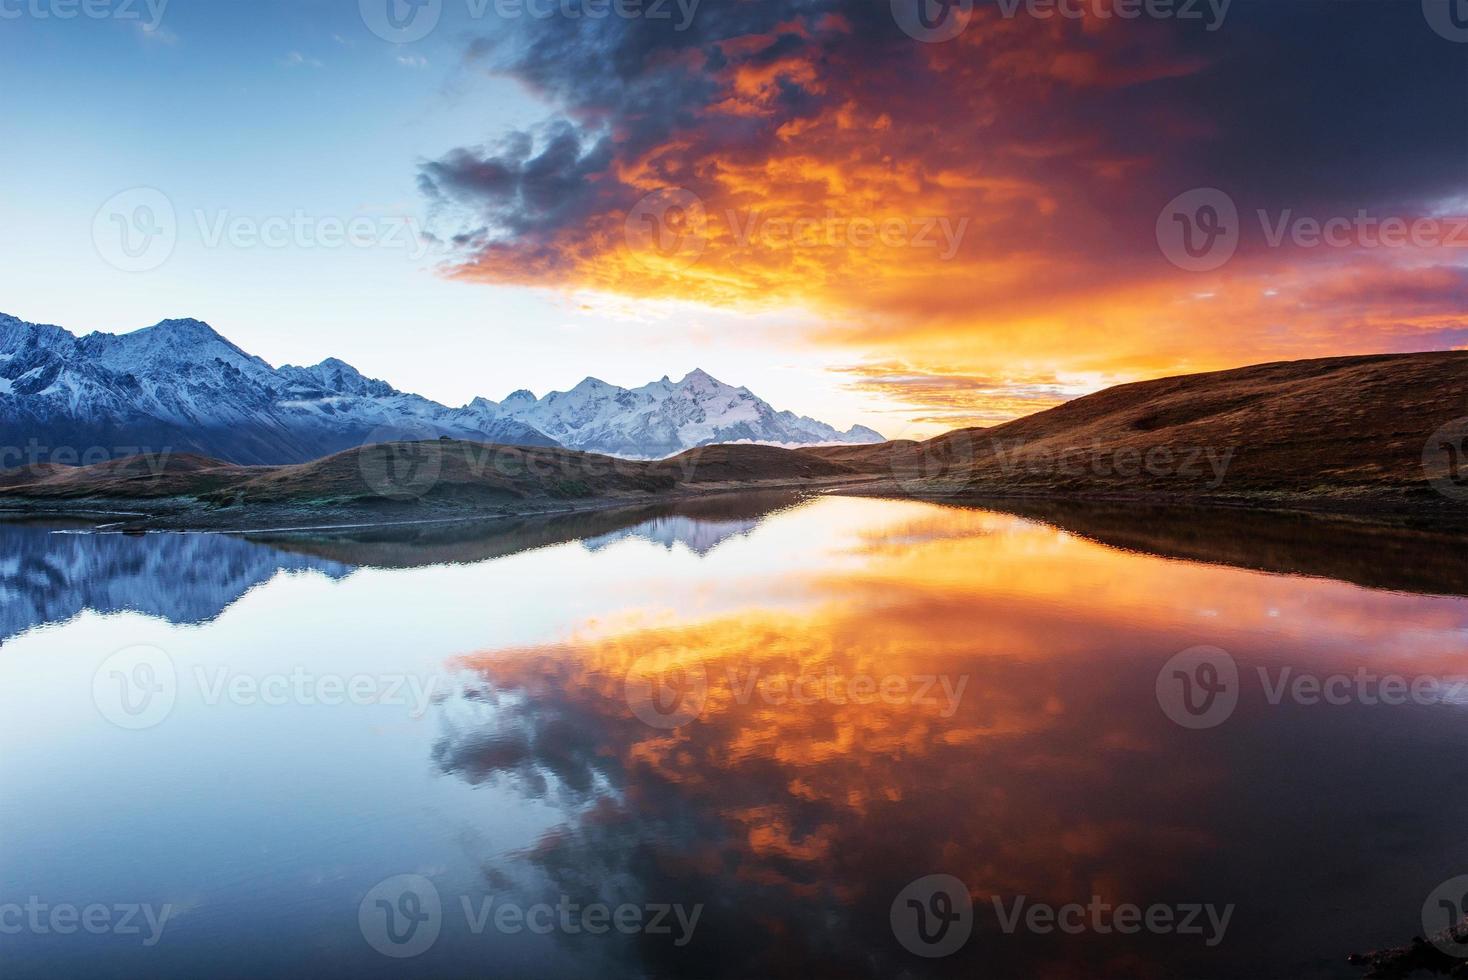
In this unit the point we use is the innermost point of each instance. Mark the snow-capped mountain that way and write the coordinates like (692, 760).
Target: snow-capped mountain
(180, 386)
(667, 417)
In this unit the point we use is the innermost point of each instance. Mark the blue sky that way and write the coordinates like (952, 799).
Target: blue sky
(240, 113)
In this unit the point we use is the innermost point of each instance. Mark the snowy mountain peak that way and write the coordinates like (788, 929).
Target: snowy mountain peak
(184, 327)
(337, 377)
(700, 379)
(663, 418)
(180, 385)
(174, 334)
(15, 333)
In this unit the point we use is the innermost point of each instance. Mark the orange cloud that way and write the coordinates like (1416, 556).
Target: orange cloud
(981, 208)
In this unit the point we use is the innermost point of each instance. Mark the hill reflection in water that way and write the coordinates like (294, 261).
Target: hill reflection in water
(50, 571)
(48, 577)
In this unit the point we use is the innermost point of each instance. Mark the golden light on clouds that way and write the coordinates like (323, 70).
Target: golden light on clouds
(971, 226)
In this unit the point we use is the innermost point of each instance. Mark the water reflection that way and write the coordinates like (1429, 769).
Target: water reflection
(49, 576)
(798, 810)
(1407, 559)
(860, 693)
(699, 525)
(54, 569)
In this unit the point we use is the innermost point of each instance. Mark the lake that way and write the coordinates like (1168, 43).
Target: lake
(770, 736)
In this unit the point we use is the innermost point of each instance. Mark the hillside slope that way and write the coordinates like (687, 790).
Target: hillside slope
(1372, 428)
(432, 479)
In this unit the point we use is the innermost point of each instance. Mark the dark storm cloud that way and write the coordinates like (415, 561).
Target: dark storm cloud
(528, 181)
(1290, 103)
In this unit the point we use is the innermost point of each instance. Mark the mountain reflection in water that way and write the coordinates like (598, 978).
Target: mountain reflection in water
(867, 692)
(51, 570)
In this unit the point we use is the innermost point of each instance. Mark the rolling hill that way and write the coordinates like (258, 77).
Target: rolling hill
(1374, 434)
(1376, 430)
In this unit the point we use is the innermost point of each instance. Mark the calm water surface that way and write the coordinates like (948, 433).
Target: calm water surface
(743, 730)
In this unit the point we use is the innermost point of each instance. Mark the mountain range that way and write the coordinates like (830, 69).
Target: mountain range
(182, 387)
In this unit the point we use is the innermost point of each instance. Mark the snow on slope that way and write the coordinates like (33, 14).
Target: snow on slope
(664, 417)
(181, 386)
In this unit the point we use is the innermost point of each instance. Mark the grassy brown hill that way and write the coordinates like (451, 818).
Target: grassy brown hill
(143, 477)
(405, 481)
(737, 465)
(1375, 433)
(1364, 430)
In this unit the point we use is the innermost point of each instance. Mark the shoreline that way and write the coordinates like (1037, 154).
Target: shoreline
(1375, 509)
(179, 515)
(189, 515)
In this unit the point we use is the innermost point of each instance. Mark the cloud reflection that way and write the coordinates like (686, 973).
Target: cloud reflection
(1054, 774)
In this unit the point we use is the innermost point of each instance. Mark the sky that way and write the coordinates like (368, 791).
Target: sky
(911, 214)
